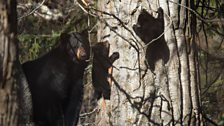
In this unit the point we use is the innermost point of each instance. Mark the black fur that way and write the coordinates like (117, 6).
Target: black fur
(55, 81)
(101, 63)
(149, 28)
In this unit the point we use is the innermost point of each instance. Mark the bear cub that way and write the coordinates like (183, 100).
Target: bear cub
(102, 69)
(149, 28)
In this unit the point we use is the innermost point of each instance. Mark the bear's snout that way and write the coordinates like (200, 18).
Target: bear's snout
(81, 54)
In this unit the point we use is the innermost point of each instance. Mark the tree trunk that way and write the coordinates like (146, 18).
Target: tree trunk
(129, 89)
(15, 100)
(170, 94)
(182, 68)
(8, 103)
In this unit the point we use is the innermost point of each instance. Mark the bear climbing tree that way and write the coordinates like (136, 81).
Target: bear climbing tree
(149, 28)
(102, 69)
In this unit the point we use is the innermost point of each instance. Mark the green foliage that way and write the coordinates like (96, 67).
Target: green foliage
(32, 46)
(38, 36)
(212, 76)
(212, 80)
(221, 122)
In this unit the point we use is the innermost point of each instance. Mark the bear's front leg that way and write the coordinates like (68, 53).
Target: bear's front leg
(72, 110)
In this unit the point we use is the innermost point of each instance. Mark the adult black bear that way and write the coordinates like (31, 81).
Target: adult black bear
(149, 28)
(102, 69)
(55, 81)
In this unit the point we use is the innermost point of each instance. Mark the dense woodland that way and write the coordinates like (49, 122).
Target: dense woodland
(192, 32)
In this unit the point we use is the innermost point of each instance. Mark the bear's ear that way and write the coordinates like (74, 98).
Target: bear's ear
(145, 17)
(144, 11)
(101, 48)
(64, 37)
(85, 34)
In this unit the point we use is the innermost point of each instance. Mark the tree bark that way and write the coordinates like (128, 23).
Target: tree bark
(8, 103)
(184, 92)
(15, 100)
(169, 96)
(129, 89)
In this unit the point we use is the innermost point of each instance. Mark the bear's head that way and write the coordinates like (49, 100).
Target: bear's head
(76, 45)
(148, 27)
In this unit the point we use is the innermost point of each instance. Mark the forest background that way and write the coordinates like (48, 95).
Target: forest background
(40, 23)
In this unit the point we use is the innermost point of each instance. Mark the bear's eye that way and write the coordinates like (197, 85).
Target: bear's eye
(74, 43)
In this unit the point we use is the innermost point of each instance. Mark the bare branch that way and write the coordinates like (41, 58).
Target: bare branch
(33, 11)
(88, 113)
(198, 16)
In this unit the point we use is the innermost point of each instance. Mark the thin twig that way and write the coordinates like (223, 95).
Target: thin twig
(198, 16)
(153, 40)
(120, 22)
(33, 11)
(189, 9)
(85, 10)
(88, 113)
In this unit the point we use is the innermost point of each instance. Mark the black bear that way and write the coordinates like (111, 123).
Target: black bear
(102, 69)
(55, 81)
(149, 28)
